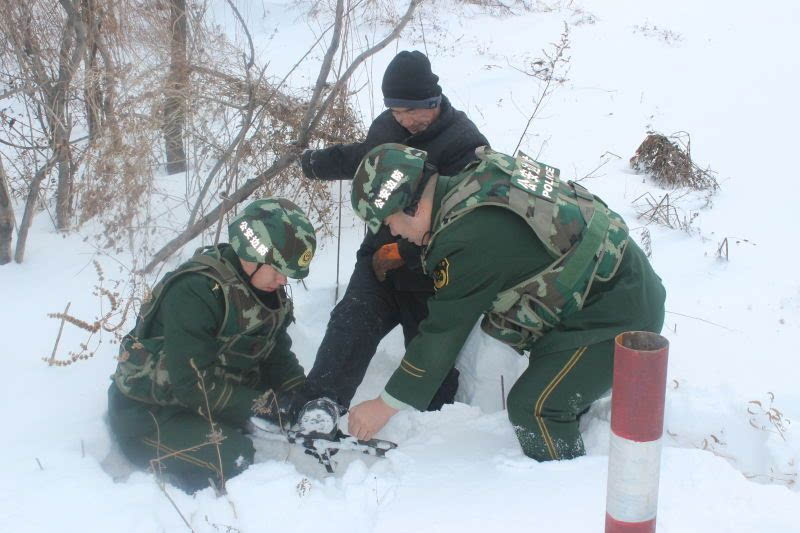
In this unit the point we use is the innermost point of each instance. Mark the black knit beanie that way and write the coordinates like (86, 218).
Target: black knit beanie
(409, 82)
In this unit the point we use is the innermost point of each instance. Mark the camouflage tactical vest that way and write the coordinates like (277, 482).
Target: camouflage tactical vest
(585, 238)
(245, 337)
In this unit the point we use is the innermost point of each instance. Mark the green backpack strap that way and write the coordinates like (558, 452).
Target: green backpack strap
(587, 250)
(458, 195)
(148, 307)
(221, 267)
(204, 258)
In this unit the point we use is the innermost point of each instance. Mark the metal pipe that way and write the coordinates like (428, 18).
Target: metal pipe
(637, 425)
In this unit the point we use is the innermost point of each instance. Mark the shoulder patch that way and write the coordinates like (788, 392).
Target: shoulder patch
(535, 178)
(441, 274)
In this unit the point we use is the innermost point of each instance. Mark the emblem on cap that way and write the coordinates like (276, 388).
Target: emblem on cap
(305, 259)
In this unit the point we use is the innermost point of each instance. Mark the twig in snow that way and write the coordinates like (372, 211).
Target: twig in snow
(60, 329)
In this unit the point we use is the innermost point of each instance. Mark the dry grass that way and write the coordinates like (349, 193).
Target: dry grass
(664, 212)
(768, 418)
(763, 416)
(647, 242)
(668, 160)
(114, 312)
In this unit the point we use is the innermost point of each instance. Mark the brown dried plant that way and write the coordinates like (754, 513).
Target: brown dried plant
(768, 418)
(668, 160)
(762, 417)
(664, 212)
(110, 321)
(269, 124)
(215, 436)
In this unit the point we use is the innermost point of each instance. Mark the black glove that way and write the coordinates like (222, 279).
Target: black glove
(305, 163)
(280, 409)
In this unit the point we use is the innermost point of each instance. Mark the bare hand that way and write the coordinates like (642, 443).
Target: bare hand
(367, 418)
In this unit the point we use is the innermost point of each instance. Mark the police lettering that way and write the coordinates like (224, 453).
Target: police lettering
(388, 188)
(529, 180)
(251, 236)
(549, 183)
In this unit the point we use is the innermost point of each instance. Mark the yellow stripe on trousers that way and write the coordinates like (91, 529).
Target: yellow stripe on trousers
(537, 414)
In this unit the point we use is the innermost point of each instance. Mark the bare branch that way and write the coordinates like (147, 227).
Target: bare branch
(207, 220)
(30, 205)
(309, 123)
(362, 57)
(246, 124)
(249, 63)
(20, 147)
(545, 70)
(324, 69)
(26, 88)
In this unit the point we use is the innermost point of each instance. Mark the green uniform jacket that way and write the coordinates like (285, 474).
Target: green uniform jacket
(191, 313)
(487, 251)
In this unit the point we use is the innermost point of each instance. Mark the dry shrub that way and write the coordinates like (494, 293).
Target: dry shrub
(502, 8)
(340, 125)
(663, 34)
(768, 418)
(665, 212)
(115, 309)
(669, 161)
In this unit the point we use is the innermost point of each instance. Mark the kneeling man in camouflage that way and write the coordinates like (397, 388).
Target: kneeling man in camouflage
(549, 266)
(210, 350)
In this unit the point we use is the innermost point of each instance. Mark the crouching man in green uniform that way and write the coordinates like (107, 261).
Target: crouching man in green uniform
(549, 266)
(211, 345)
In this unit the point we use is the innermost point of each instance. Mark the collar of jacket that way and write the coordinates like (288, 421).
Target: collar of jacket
(444, 184)
(446, 116)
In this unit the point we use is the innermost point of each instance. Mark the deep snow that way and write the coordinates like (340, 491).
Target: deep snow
(727, 72)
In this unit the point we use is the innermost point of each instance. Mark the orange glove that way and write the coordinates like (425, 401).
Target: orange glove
(386, 258)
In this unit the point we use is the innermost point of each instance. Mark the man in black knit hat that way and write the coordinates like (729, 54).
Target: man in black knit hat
(388, 287)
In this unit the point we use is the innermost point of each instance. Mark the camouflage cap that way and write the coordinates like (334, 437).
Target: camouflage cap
(386, 181)
(276, 232)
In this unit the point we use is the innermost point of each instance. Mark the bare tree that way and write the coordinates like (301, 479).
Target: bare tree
(315, 111)
(6, 218)
(100, 70)
(40, 63)
(175, 91)
(46, 74)
(95, 88)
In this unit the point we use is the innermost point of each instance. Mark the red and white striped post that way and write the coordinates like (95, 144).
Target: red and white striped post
(637, 424)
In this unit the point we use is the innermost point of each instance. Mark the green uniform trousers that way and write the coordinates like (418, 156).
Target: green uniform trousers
(175, 443)
(545, 403)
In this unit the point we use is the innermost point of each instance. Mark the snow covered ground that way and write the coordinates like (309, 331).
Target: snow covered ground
(726, 72)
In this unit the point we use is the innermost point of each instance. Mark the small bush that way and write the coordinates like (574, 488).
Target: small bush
(669, 161)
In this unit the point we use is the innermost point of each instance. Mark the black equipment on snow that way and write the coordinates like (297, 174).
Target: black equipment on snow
(320, 417)
(317, 431)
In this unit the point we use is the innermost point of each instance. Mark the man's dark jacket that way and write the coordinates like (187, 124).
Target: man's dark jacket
(450, 142)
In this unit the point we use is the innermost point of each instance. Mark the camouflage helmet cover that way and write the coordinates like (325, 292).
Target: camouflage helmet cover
(386, 181)
(276, 232)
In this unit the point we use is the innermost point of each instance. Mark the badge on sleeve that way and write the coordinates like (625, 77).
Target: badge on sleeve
(441, 274)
